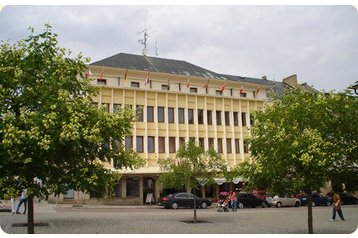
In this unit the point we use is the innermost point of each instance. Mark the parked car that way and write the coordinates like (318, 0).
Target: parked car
(283, 201)
(183, 199)
(249, 200)
(317, 200)
(346, 198)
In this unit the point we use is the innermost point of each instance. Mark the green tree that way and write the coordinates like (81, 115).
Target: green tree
(192, 166)
(302, 141)
(49, 129)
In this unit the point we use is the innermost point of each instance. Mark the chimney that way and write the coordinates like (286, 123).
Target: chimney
(291, 81)
(264, 77)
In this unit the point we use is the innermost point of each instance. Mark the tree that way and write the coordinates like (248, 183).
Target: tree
(49, 129)
(192, 166)
(303, 141)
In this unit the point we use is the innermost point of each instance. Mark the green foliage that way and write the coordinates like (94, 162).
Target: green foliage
(303, 141)
(192, 165)
(49, 128)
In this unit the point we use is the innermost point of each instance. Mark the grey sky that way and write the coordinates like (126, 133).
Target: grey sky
(318, 43)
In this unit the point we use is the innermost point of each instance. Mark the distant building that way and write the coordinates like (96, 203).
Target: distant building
(176, 101)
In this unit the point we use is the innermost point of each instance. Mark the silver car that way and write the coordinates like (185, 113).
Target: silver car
(283, 201)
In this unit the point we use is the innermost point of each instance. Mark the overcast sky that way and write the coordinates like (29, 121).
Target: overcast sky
(318, 43)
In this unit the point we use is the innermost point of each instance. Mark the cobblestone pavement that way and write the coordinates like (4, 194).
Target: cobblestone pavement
(65, 219)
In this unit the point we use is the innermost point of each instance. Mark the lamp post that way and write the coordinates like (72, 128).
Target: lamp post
(355, 87)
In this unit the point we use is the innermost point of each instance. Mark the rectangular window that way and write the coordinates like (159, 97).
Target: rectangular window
(193, 90)
(243, 95)
(179, 86)
(161, 144)
(220, 145)
(101, 81)
(252, 120)
(135, 84)
(236, 119)
(218, 92)
(165, 87)
(181, 141)
(181, 115)
(150, 114)
(206, 90)
(237, 146)
(218, 117)
(132, 187)
(231, 92)
(139, 112)
(227, 118)
(170, 115)
(200, 116)
(211, 142)
(161, 114)
(243, 118)
(228, 146)
(254, 93)
(94, 104)
(201, 142)
(105, 106)
(210, 117)
(139, 141)
(151, 144)
(246, 146)
(191, 116)
(116, 107)
(129, 142)
(172, 148)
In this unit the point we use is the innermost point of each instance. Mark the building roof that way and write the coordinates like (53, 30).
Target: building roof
(153, 64)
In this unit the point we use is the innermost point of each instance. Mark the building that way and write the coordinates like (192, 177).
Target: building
(176, 101)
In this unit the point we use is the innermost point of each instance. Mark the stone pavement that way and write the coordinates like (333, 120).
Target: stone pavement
(152, 219)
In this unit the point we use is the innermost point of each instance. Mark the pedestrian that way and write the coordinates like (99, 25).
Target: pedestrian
(336, 207)
(14, 201)
(233, 200)
(23, 200)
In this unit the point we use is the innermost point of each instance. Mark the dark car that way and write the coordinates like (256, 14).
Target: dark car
(346, 198)
(177, 200)
(250, 200)
(317, 200)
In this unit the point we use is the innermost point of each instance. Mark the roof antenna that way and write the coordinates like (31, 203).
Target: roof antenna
(156, 49)
(145, 36)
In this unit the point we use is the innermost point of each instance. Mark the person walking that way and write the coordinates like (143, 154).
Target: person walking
(336, 207)
(233, 201)
(23, 200)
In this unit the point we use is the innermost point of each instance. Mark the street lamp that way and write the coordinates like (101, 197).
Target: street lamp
(355, 87)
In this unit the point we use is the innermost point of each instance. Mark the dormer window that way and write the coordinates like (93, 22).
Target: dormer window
(101, 81)
(135, 84)
(193, 90)
(165, 87)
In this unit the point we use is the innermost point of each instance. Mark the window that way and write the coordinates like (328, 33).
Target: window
(218, 117)
(179, 86)
(135, 84)
(139, 112)
(161, 114)
(243, 118)
(94, 104)
(200, 116)
(150, 114)
(254, 93)
(218, 92)
(220, 145)
(170, 115)
(231, 91)
(193, 90)
(237, 146)
(252, 120)
(211, 142)
(165, 87)
(206, 90)
(243, 95)
(116, 107)
(246, 146)
(139, 140)
(181, 116)
(151, 144)
(101, 81)
(181, 141)
(191, 116)
(132, 186)
(210, 117)
(227, 118)
(128, 142)
(172, 148)
(161, 143)
(105, 106)
(236, 119)
(201, 142)
(228, 146)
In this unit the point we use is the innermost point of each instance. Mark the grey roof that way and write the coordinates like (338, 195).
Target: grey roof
(153, 64)
(247, 79)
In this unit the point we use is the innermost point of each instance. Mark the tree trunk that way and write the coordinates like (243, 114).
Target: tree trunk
(194, 208)
(310, 219)
(30, 216)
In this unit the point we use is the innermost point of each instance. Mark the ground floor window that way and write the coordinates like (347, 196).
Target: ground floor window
(132, 186)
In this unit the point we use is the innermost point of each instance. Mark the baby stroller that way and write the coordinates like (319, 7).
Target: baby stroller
(223, 206)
